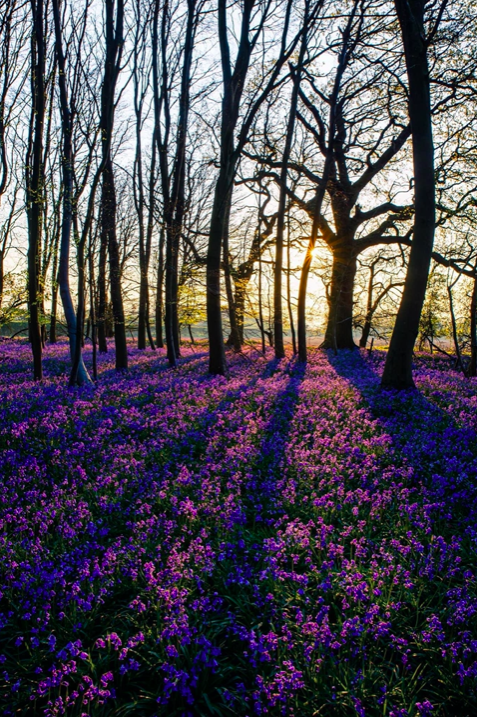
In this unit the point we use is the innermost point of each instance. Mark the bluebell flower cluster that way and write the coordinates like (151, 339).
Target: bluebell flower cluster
(286, 541)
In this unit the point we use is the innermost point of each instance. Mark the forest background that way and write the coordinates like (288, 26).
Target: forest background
(238, 171)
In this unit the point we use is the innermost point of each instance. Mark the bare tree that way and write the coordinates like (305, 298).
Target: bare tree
(69, 201)
(233, 139)
(34, 170)
(377, 291)
(114, 42)
(141, 79)
(172, 168)
(277, 290)
(356, 124)
(398, 367)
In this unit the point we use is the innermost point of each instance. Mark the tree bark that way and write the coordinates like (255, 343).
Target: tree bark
(108, 228)
(149, 232)
(141, 82)
(277, 288)
(218, 226)
(179, 170)
(143, 263)
(233, 85)
(159, 295)
(236, 340)
(472, 370)
(114, 45)
(162, 107)
(35, 183)
(67, 216)
(102, 295)
(398, 368)
(289, 303)
(241, 287)
(454, 330)
(92, 304)
(339, 330)
(54, 302)
(369, 309)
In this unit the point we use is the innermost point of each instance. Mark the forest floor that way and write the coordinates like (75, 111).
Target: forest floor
(281, 542)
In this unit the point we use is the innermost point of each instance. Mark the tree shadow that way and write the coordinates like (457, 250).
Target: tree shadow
(157, 363)
(269, 461)
(430, 440)
(188, 448)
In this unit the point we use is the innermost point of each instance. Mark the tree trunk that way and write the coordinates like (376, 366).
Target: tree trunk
(341, 299)
(277, 292)
(149, 232)
(398, 368)
(74, 375)
(472, 371)
(233, 85)
(241, 286)
(178, 185)
(108, 224)
(52, 337)
(143, 258)
(35, 183)
(159, 297)
(365, 333)
(260, 297)
(139, 73)
(301, 323)
(234, 330)
(170, 327)
(454, 330)
(142, 319)
(54, 304)
(112, 66)
(81, 374)
(369, 309)
(218, 226)
(148, 327)
(92, 305)
(102, 295)
(339, 328)
(289, 303)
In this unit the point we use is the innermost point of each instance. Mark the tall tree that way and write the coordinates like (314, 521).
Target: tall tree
(67, 118)
(355, 149)
(114, 42)
(277, 286)
(172, 165)
(141, 79)
(398, 367)
(34, 169)
(327, 148)
(232, 142)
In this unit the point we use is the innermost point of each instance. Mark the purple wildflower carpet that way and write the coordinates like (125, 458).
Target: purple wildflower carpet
(286, 541)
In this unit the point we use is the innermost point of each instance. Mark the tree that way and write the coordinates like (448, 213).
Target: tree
(141, 78)
(114, 42)
(34, 171)
(232, 142)
(69, 201)
(356, 121)
(172, 178)
(277, 290)
(398, 368)
(243, 272)
(378, 290)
